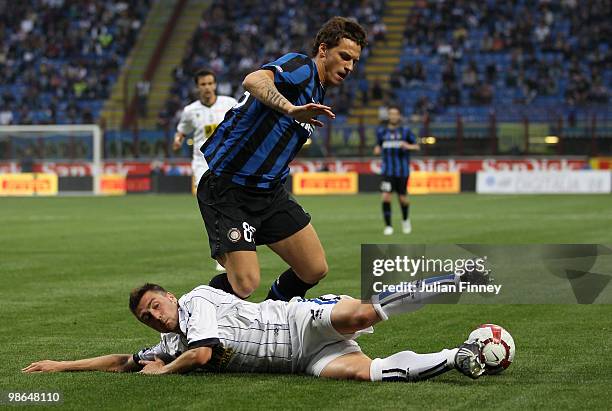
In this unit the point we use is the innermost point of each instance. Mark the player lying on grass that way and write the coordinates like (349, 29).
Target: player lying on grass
(215, 331)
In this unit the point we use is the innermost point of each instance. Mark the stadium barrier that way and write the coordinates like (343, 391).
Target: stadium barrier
(28, 184)
(154, 176)
(113, 184)
(322, 183)
(544, 182)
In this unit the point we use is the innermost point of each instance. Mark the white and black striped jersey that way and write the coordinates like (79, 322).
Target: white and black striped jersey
(202, 120)
(244, 336)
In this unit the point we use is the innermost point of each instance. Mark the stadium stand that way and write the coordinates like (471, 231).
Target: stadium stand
(235, 37)
(544, 58)
(59, 58)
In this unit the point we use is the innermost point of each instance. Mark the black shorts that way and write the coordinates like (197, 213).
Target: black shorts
(390, 184)
(238, 218)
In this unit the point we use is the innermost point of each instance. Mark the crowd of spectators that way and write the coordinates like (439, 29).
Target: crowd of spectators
(236, 37)
(57, 57)
(556, 48)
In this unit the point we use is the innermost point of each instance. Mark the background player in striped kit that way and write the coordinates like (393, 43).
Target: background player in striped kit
(394, 142)
(200, 119)
(243, 200)
(216, 331)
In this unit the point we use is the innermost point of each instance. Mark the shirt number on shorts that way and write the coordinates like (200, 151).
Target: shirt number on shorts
(248, 232)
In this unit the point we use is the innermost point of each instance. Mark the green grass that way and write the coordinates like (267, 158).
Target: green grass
(67, 265)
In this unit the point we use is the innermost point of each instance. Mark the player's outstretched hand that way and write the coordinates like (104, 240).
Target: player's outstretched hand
(44, 366)
(152, 367)
(308, 112)
(176, 144)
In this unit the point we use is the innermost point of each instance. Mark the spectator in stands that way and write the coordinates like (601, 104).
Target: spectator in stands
(6, 116)
(342, 103)
(413, 76)
(482, 95)
(396, 80)
(364, 90)
(377, 90)
(143, 88)
(450, 94)
(598, 94)
(423, 106)
(379, 32)
(470, 75)
(419, 72)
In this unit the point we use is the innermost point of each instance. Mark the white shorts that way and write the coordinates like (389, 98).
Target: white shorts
(315, 342)
(199, 167)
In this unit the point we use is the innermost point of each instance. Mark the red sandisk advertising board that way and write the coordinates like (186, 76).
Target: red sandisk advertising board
(461, 165)
(81, 169)
(464, 165)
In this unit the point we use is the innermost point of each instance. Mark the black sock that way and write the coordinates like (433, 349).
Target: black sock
(386, 207)
(405, 211)
(221, 282)
(287, 286)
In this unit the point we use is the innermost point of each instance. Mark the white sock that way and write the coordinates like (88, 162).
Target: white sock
(410, 366)
(411, 299)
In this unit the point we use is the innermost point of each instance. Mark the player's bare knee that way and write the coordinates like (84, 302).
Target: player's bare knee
(245, 284)
(322, 270)
(359, 371)
(315, 273)
(361, 318)
(360, 321)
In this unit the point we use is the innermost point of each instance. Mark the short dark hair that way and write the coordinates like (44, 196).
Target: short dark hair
(138, 292)
(395, 106)
(336, 29)
(204, 72)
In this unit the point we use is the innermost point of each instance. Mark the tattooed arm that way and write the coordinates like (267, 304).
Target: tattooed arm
(260, 84)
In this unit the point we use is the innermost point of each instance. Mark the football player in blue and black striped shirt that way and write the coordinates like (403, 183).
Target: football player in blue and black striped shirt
(242, 198)
(395, 142)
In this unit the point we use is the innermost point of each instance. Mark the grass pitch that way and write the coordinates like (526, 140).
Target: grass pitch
(67, 265)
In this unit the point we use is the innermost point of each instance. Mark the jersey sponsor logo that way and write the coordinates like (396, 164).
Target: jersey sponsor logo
(209, 129)
(392, 144)
(234, 235)
(306, 126)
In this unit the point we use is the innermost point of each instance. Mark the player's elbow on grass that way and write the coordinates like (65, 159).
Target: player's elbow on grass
(123, 363)
(200, 356)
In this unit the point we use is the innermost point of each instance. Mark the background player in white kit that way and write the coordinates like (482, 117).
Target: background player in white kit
(212, 330)
(202, 118)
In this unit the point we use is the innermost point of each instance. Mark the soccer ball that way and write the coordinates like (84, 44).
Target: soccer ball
(498, 349)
